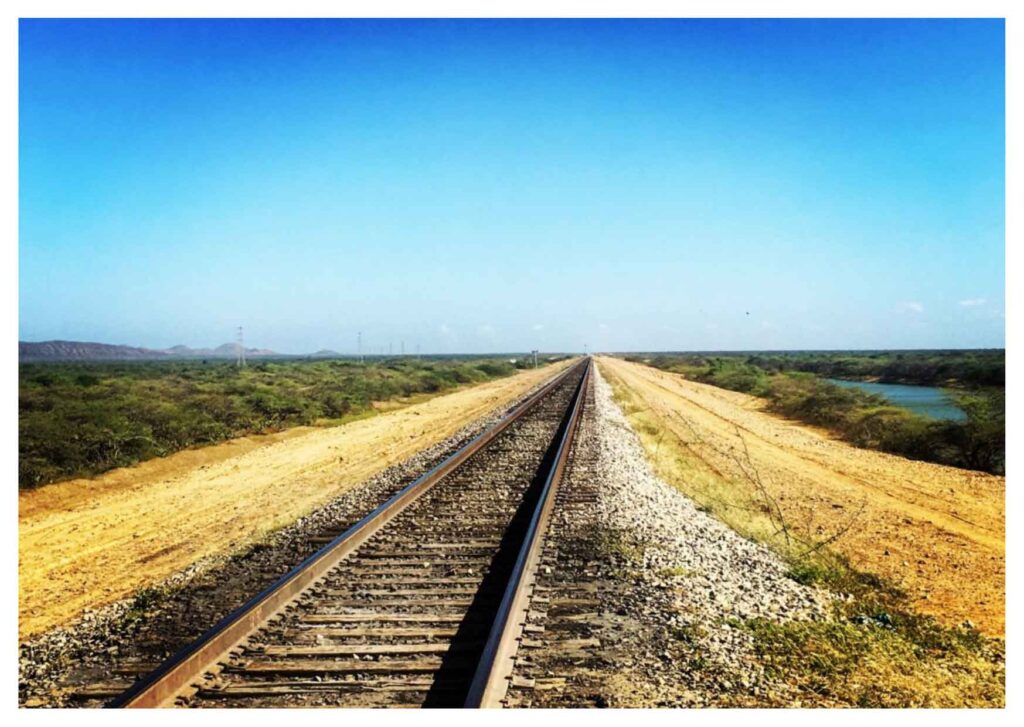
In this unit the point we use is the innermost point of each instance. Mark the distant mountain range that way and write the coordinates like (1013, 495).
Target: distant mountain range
(82, 351)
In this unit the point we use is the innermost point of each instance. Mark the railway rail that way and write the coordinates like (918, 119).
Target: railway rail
(421, 603)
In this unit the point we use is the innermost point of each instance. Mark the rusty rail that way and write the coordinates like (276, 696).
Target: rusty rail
(494, 671)
(175, 676)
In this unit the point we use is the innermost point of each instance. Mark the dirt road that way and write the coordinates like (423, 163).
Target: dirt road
(86, 543)
(937, 532)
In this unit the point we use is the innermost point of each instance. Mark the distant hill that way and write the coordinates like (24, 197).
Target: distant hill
(325, 353)
(29, 351)
(82, 351)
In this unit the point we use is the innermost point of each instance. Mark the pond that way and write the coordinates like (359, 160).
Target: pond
(926, 400)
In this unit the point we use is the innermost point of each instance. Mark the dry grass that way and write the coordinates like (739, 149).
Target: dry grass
(845, 663)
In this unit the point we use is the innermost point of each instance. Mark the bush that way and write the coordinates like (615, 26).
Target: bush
(737, 377)
(982, 440)
(867, 420)
(82, 419)
(818, 402)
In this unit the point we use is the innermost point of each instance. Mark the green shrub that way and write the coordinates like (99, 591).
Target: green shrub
(80, 419)
(982, 440)
(863, 419)
(737, 377)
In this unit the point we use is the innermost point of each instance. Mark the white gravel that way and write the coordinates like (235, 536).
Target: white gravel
(724, 575)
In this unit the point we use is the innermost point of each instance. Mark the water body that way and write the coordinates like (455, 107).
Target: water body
(926, 400)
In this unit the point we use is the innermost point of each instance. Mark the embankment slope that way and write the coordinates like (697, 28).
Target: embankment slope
(936, 532)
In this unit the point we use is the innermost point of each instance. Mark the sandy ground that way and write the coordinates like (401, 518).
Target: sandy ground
(937, 532)
(88, 542)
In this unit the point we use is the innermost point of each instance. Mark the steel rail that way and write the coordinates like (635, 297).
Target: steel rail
(491, 680)
(175, 676)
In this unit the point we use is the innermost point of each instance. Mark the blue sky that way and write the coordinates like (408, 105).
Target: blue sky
(506, 185)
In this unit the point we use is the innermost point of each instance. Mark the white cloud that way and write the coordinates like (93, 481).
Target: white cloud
(972, 302)
(537, 327)
(914, 307)
(445, 330)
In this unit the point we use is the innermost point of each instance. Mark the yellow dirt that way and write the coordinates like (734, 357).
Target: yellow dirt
(86, 543)
(937, 532)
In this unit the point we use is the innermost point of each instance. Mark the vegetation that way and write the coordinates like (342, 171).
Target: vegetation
(954, 368)
(877, 652)
(863, 419)
(80, 419)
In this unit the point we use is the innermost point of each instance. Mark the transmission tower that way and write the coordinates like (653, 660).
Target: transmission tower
(241, 348)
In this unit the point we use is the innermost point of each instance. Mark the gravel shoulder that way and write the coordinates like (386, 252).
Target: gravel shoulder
(641, 593)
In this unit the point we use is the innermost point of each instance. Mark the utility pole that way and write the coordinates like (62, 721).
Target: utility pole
(534, 358)
(241, 349)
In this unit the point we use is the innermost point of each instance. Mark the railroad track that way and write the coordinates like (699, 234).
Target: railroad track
(421, 603)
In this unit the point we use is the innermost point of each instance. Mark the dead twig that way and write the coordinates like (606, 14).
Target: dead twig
(771, 504)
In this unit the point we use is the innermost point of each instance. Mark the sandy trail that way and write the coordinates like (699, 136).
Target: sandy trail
(937, 532)
(86, 543)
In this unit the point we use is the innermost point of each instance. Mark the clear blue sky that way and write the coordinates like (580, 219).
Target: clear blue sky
(499, 186)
